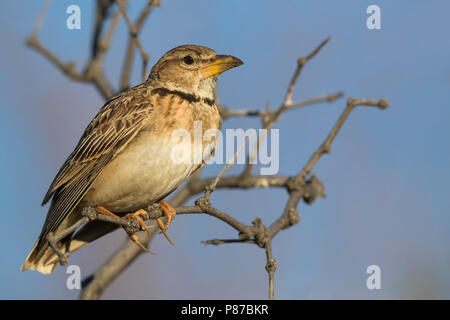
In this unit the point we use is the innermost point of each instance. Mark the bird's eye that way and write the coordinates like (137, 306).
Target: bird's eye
(188, 60)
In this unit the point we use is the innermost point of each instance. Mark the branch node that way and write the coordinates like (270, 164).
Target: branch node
(154, 211)
(32, 40)
(204, 203)
(383, 104)
(352, 101)
(132, 227)
(293, 217)
(332, 97)
(70, 68)
(294, 184)
(244, 236)
(90, 213)
(326, 148)
(302, 61)
(271, 265)
(261, 234)
(314, 189)
(133, 32)
(214, 242)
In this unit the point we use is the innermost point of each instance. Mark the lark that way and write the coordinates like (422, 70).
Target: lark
(124, 159)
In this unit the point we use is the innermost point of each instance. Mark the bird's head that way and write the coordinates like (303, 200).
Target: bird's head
(192, 69)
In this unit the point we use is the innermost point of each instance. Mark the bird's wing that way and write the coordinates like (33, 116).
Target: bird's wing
(109, 132)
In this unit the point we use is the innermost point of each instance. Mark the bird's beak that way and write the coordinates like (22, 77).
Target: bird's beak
(220, 64)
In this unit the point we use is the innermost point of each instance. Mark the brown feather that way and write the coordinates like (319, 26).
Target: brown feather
(102, 140)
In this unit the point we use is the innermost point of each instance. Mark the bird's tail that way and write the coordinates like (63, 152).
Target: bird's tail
(45, 260)
(42, 258)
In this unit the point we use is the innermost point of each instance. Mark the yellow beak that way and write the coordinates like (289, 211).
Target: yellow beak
(220, 64)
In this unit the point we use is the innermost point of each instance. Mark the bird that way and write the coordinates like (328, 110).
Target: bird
(124, 161)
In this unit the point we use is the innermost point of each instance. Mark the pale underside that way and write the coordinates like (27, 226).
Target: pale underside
(143, 173)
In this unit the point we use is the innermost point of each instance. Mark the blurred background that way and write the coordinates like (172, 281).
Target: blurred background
(386, 180)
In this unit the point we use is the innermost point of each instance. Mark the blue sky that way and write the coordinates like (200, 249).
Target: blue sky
(386, 179)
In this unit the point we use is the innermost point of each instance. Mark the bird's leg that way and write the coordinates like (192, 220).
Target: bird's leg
(134, 215)
(170, 213)
(106, 212)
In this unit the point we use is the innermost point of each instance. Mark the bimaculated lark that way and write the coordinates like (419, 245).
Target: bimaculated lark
(123, 162)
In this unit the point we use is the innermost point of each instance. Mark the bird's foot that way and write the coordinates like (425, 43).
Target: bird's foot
(133, 215)
(170, 213)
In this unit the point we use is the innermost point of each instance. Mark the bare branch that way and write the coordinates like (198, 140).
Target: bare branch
(103, 8)
(41, 18)
(300, 63)
(270, 117)
(135, 39)
(101, 46)
(67, 68)
(129, 57)
(94, 286)
(232, 113)
(93, 72)
(271, 267)
(326, 145)
(297, 184)
(209, 189)
(217, 242)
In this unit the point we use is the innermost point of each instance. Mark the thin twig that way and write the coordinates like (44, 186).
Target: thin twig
(326, 145)
(212, 186)
(232, 113)
(300, 63)
(104, 44)
(271, 267)
(216, 242)
(93, 72)
(270, 117)
(41, 18)
(134, 41)
(134, 35)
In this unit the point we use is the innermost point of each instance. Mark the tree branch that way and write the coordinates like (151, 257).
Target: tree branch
(129, 57)
(93, 72)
